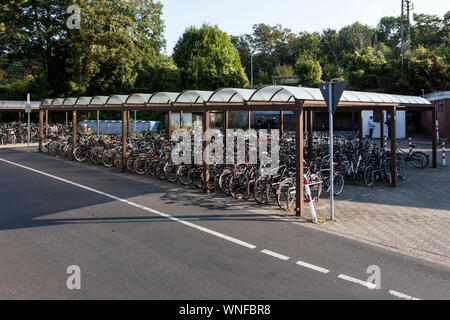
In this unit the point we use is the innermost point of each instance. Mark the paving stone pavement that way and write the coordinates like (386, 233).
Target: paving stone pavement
(413, 219)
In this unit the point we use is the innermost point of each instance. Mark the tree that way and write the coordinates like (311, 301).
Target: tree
(116, 40)
(427, 30)
(365, 67)
(283, 70)
(427, 71)
(309, 71)
(208, 59)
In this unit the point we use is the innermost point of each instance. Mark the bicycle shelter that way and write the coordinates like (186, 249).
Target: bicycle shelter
(303, 102)
(18, 106)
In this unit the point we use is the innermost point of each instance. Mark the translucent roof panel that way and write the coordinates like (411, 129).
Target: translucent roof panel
(69, 101)
(231, 95)
(18, 104)
(98, 100)
(194, 96)
(83, 101)
(116, 100)
(47, 102)
(276, 93)
(58, 102)
(138, 98)
(163, 97)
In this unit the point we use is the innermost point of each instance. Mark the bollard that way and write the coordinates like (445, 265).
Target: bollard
(310, 201)
(410, 145)
(437, 130)
(443, 155)
(385, 142)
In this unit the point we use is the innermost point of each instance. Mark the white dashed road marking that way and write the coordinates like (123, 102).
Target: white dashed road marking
(313, 267)
(401, 295)
(276, 255)
(354, 280)
(212, 232)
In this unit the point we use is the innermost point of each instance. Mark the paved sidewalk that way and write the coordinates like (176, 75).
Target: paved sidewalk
(413, 218)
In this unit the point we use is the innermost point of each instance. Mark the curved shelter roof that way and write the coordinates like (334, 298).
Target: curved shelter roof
(231, 95)
(163, 98)
(275, 93)
(98, 101)
(193, 96)
(83, 101)
(13, 105)
(138, 99)
(116, 100)
(264, 97)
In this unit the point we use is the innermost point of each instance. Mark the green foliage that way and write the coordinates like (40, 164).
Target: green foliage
(309, 71)
(283, 70)
(365, 67)
(208, 59)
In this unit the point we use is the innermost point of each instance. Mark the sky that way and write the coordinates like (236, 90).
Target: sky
(237, 17)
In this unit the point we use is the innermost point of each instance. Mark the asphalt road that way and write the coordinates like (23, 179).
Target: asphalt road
(139, 238)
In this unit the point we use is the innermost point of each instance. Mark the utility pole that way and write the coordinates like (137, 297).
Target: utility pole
(251, 69)
(407, 7)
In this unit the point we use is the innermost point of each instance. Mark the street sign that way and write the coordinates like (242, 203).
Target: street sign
(28, 108)
(336, 92)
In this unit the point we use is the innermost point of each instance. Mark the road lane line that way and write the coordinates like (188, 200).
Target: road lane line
(357, 281)
(401, 295)
(189, 224)
(276, 255)
(313, 267)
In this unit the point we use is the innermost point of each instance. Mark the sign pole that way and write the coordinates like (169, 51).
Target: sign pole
(331, 108)
(28, 110)
(332, 93)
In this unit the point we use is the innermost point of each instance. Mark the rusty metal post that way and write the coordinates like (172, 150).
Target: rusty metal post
(74, 129)
(310, 133)
(382, 128)
(41, 123)
(360, 123)
(181, 120)
(225, 120)
(394, 146)
(434, 147)
(299, 193)
(169, 121)
(206, 176)
(98, 123)
(67, 119)
(124, 139)
(46, 124)
(281, 124)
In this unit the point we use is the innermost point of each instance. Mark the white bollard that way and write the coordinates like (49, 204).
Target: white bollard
(437, 130)
(443, 155)
(410, 145)
(385, 142)
(310, 201)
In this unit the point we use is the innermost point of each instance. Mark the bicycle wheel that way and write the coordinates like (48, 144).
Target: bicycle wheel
(338, 183)
(260, 191)
(184, 175)
(239, 186)
(224, 181)
(401, 170)
(286, 195)
(170, 172)
(419, 160)
(79, 154)
(369, 177)
(139, 165)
